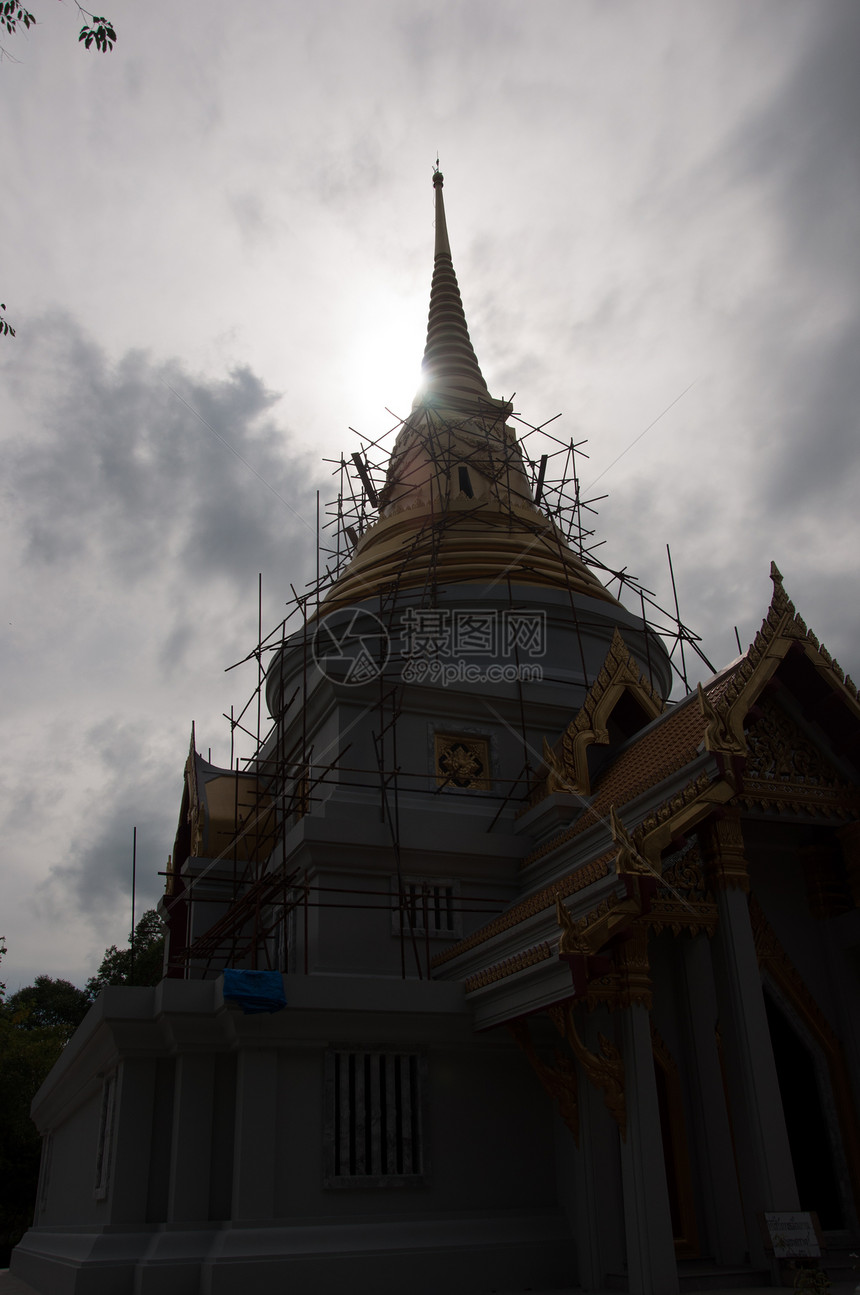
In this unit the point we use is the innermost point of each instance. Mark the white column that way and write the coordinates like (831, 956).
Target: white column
(599, 1222)
(761, 1138)
(718, 1177)
(255, 1151)
(191, 1145)
(132, 1140)
(651, 1265)
(585, 1211)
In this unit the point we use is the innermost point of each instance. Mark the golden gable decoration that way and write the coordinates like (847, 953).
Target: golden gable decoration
(786, 771)
(196, 802)
(781, 628)
(567, 760)
(228, 814)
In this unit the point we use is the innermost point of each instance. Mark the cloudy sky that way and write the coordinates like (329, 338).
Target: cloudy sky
(217, 246)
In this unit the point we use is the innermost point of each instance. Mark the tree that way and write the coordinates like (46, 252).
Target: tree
(36, 1023)
(49, 1004)
(26, 1056)
(142, 963)
(28, 1049)
(98, 31)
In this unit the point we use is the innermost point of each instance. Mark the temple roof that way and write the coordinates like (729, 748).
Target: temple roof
(761, 758)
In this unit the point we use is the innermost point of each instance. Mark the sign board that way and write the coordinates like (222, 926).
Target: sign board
(792, 1235)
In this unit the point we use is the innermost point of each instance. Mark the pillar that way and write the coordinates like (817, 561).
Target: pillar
(597, 1222)
(255, 1148)
(191, 1145)
(718, 1180)
(132, 1140)
(651, 1265)
(761, 1140)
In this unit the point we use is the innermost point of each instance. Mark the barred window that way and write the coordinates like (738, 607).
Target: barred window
(426, 906)
(374, 1119)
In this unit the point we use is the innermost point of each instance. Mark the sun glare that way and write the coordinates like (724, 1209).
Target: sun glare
(384, 369)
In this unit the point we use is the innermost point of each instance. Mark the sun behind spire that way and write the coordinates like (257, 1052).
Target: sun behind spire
(457, 505)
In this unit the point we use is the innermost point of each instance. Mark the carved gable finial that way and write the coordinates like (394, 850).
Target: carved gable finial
(718, 733)
(780, 603)
(558, 776)
(628, 861)
(781, 628)
(573, 938)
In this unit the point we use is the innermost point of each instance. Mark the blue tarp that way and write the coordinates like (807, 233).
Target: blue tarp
(255, 991)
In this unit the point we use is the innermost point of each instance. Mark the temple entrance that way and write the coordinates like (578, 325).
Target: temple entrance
(809, 1134)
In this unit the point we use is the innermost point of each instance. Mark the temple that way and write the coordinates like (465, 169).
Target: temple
(541, 966)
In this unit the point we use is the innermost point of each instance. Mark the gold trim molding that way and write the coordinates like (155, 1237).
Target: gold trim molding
(655, 833)
(509, 966)
(575, 881)
(722, 842)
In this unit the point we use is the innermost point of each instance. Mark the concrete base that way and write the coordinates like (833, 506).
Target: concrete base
(462, 1256)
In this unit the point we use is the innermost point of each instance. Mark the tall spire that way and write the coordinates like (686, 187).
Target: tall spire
(452, 377)
(457, 505)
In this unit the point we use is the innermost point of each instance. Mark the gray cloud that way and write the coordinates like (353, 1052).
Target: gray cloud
(803, 143)
(140, 465)
(800, 153)
(135, 537)
(138, 789)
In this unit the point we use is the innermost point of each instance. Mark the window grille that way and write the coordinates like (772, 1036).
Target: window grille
(374, 1125)
(425, 906)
